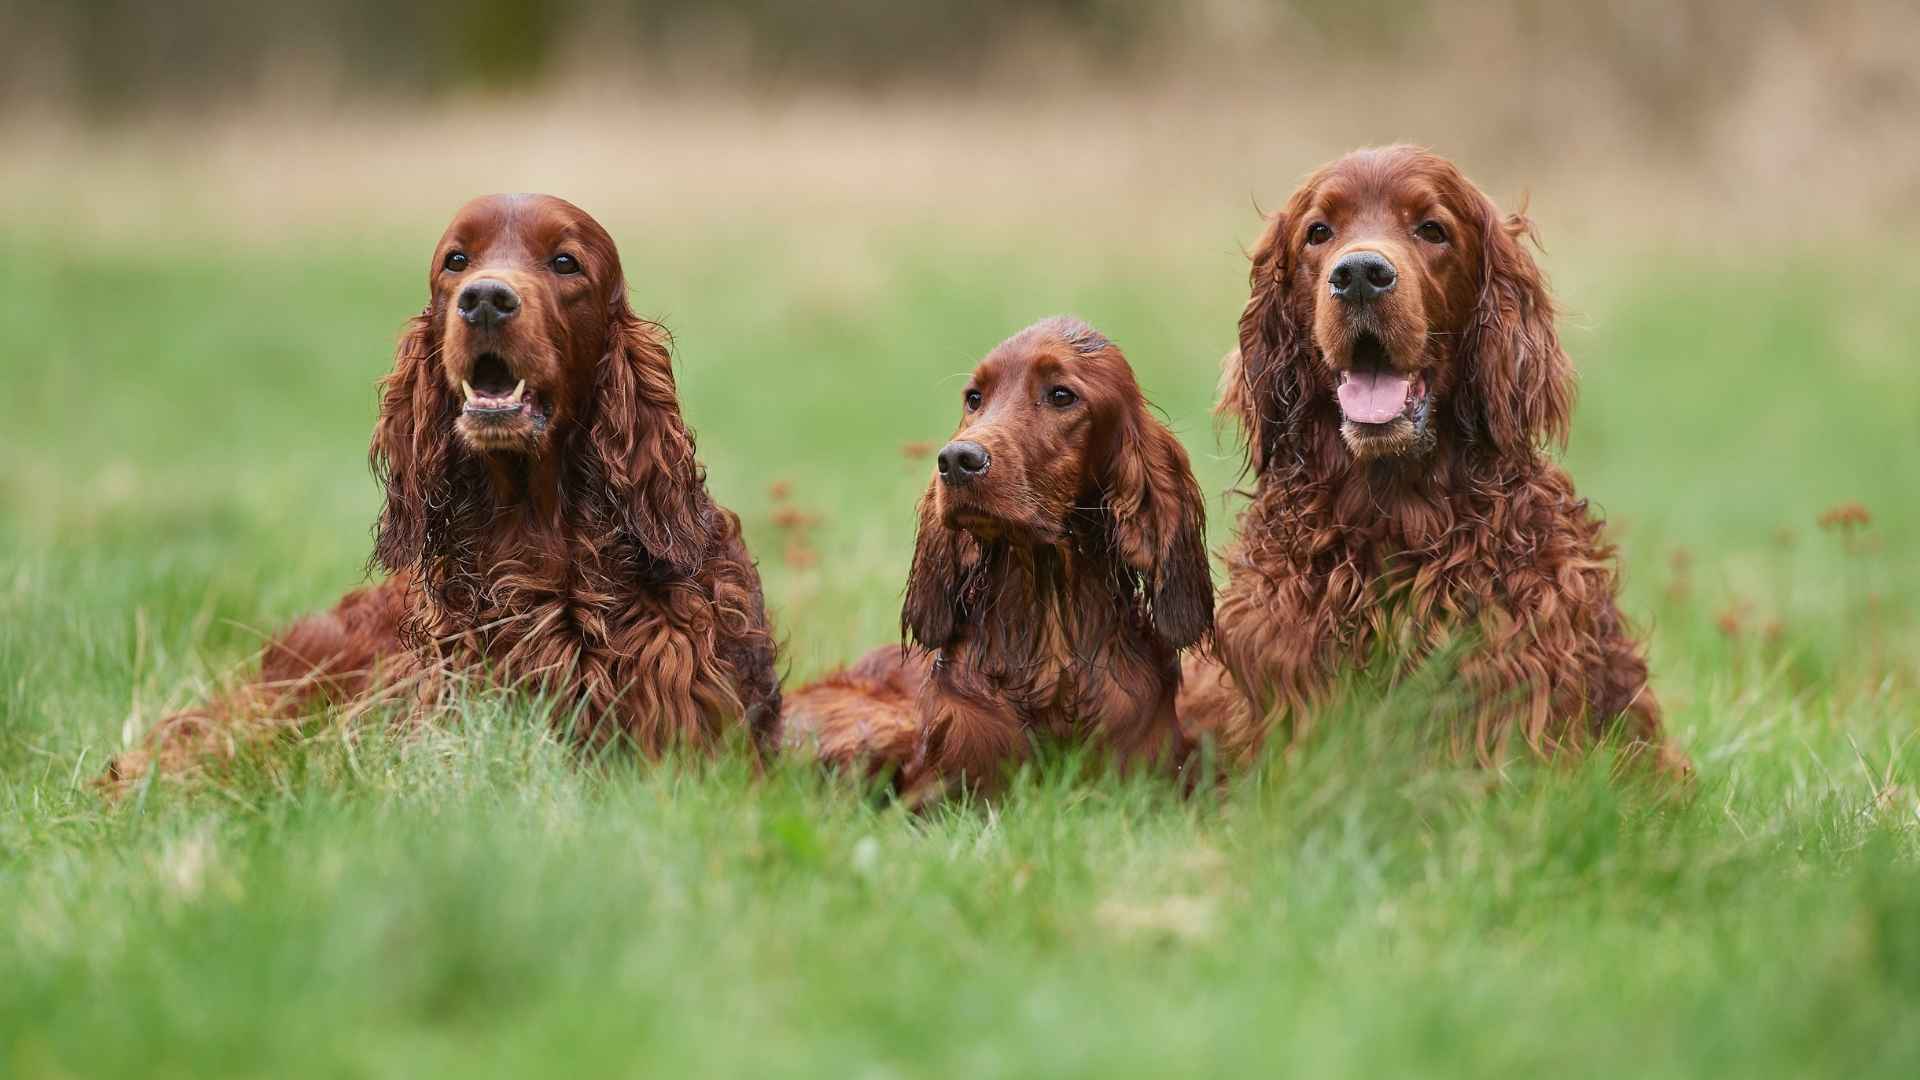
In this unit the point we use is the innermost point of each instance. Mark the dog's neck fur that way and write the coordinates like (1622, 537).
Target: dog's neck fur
(520, 524)
(1389, 505)
(1052, 607)
(528, 486)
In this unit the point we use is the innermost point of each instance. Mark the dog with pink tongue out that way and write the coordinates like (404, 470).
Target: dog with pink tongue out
(1399, 382)
(1383, 413)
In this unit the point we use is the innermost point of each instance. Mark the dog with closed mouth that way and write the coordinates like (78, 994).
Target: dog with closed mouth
(1059, 571)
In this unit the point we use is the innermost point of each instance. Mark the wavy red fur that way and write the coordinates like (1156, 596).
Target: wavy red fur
(1051, 592)
(1449, 525)
(557, 537)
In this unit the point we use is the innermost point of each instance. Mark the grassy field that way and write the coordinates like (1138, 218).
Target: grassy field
(185, 440)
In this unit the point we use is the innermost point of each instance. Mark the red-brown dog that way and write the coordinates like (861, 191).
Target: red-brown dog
(1060, 568)
(1397, 378)
(546, 521)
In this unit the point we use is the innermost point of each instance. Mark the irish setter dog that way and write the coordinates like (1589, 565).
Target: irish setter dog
(1397, 379)
(546, 522)
(1059, 571)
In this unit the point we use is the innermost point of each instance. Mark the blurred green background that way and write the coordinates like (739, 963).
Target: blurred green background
(215, 217)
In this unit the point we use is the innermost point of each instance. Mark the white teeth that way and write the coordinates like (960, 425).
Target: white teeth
(490, 400)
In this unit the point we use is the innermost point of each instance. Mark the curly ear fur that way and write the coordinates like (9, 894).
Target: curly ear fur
(639, 452)
(1519, 383)
(1263, 383)
(1159, 528)
(413, 448)
(943, 561)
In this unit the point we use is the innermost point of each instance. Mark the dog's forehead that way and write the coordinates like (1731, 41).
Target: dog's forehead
(1396, 179)
(1397, 195)
(1024, 358)
(524, 220)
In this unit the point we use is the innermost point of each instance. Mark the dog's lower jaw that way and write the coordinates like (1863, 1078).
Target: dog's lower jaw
(1405, 436)
(524, 435)
(1400, 438)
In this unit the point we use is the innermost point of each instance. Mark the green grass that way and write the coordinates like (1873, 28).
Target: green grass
(185, 469)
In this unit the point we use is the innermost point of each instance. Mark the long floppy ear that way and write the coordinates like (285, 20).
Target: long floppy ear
(1520, 384)
(1263, 382)
(943, 563)
(1160, 526)
(413, 447)
(640, 449)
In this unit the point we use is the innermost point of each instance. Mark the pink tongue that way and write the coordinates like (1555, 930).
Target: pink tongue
(1373, 397)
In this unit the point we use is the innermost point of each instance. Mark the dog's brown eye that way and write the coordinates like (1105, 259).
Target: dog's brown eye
(1060, 397)
(1318, 233)
(455, 262)
(973, 400)
(1432, 232)
(565, 264)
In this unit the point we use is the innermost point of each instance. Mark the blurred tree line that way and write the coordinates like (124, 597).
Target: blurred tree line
(112, 54)
(117, 56)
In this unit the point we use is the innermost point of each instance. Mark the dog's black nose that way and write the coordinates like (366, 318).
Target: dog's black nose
(1362, 276)
(487, 302)
(961, 461)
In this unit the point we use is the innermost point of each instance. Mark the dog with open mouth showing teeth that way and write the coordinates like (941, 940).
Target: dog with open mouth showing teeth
(1397, 378)
(546, 525)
